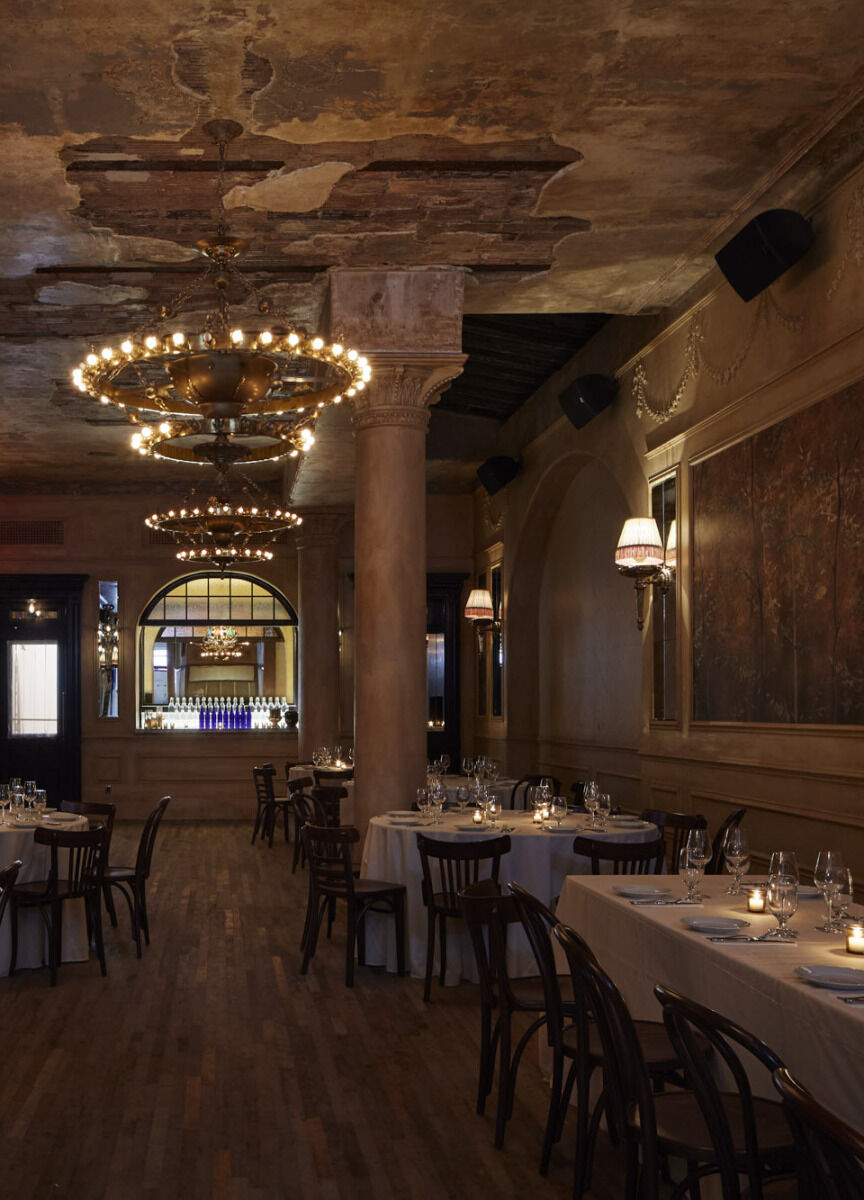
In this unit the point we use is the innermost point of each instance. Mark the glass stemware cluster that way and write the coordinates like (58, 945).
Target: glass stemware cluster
(834, 881)
(20, 801)
(736, 853)
(336, 757)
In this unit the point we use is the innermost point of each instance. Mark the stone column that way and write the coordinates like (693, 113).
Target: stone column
(318, 633)
(408, 323)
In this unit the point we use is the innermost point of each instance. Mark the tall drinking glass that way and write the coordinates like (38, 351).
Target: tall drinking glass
(784, 862)
(690, 874)
(782, 900)
(828, 877)
(736, 852)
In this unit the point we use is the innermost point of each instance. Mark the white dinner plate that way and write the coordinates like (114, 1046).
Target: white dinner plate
(714, 924)
(406, 821)
(624, 819)
(22, 825)
(60, 816)
(401, 812)
(633, 891)
(842, 978)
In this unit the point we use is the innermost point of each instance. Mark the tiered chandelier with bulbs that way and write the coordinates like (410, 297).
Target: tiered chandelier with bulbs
(221, 642)
(222, 393)
(224, 531)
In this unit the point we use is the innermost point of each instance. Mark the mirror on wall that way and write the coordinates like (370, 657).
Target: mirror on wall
(108, 648)
(664, 510)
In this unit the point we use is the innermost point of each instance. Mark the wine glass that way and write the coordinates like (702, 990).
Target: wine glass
(845, 896)
(691, 873)
(782, 900)
(445, 763)
(592, 800)
(784, 862)
(827, 875)
(467, 765)
(422, 797)
(40, 802)
(5, 799)
(699, 851)
(491, 807)
(462, 798)
(351, 755)
(558, 809)
(604, 807)
(736, 852)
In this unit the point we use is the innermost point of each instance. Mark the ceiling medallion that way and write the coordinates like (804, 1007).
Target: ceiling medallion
(224, 531)
(223, 393)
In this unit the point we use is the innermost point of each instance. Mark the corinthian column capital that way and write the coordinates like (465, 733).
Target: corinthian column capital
(403, 387)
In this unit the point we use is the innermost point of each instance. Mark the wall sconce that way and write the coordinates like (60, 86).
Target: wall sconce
(481, 612)
(640, 556)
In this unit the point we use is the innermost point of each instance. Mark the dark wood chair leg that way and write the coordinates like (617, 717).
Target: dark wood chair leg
(400, 933)
(504, 1053)
(350, 939)
(552, 1116)
(13, 917)
(430, 953)
(55, 941)
(109, 904)
(96, 905)
(143, 918)
(442, 949)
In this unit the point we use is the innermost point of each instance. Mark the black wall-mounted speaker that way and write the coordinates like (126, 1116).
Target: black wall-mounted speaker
(587, 396)
(766, 247)
(495, 473)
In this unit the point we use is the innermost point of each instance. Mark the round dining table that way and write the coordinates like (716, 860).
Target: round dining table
(540, 858)
(16, 842)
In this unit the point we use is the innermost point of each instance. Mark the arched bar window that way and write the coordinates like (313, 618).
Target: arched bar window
(250, 681)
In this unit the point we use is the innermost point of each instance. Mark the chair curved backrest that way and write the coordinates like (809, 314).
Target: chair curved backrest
(85, 861)
(301, 784)
(325, 776)
(625, 858)
(538, 922)
(448, 867)
(715, 865)
(328, 803)
(103, 810)
(832, 1152)
(263, 777)
(529, 781)
(328, 853)
(695, 1031)
(148, 838)
(7, 881)
(674, 828)
(628, 1091)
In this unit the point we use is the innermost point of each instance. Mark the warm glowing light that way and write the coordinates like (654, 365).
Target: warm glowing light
(236, 336)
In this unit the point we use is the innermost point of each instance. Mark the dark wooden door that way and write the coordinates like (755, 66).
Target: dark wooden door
(40, 682)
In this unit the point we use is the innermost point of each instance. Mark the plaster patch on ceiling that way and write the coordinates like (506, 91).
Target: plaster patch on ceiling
(553, 200)
(69, 293)
(303, 190)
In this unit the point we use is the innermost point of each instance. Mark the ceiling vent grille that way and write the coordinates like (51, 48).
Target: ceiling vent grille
(31, 533)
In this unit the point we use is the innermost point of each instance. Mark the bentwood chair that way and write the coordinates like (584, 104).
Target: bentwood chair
(304, 813)
(268, 806)
(329, 799)
(624, 858)
(7, 881)
(79, 877)
(448, 867)
(131, 882)
(573, 1039)
(674, 828)
(331, 878)
(100, 812)
(747, 1135)
(830, 1152)
(715, 863)
(488, 914)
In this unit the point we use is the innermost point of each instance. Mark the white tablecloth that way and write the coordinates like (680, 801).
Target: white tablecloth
(346, 808)
(817, 1036)
(501, 787)
(538, 860)
(32, 943)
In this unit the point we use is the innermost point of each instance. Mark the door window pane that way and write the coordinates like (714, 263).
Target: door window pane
(33, 689)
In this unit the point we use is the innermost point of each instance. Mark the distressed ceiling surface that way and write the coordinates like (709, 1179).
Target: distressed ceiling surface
(571, 157)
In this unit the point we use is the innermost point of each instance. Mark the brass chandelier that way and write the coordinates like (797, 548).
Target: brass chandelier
(223, 393)
(221, 642)
(222, 530)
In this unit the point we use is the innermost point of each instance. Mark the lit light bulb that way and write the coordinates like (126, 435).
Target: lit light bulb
(92, 360)
(294, 454)
(126, 347)
(362, 362)
(151, 342)
(352, 354)
(265, 338)
(178, 339)
(236, 336)
(146, 431)
(77, 375)
(136, 440)
(104, 400)
(360, 385)
(337, 399)
(293, 339)
(336, 349)
(165, 427)
(351, 392)
(107, 353)
(317, 343)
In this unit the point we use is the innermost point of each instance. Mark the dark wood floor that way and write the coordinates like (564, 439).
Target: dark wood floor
(212, 1068)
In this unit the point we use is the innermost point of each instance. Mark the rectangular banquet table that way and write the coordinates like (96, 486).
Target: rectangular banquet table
(817, 1036)
(16, 841)
(346, 807)
(539, 860)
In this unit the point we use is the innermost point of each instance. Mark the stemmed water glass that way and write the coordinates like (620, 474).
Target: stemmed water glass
(691, 873)
(462, 798)
(445, 763)
(699, 851)
(592, 799)
(604, 808)
(558, 809)
(783, 862)
(40, 802)
(782, 900)
(828, 877)
(467, 765)
(736, 852)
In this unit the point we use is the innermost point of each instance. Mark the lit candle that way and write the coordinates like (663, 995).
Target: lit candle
(855, 939)
(538, 817)
(756, 901)
(478, 817)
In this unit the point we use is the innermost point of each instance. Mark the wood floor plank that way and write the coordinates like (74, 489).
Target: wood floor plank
(211, 1069)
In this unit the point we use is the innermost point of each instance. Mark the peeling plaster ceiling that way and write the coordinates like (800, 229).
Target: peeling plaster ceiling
(571, 158)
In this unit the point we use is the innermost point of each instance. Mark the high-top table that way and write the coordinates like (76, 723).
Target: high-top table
(346, 806)
(818, 1037)
(539, 860)
(16, 841)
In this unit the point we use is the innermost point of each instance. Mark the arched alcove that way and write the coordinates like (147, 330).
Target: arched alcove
(574, 676)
